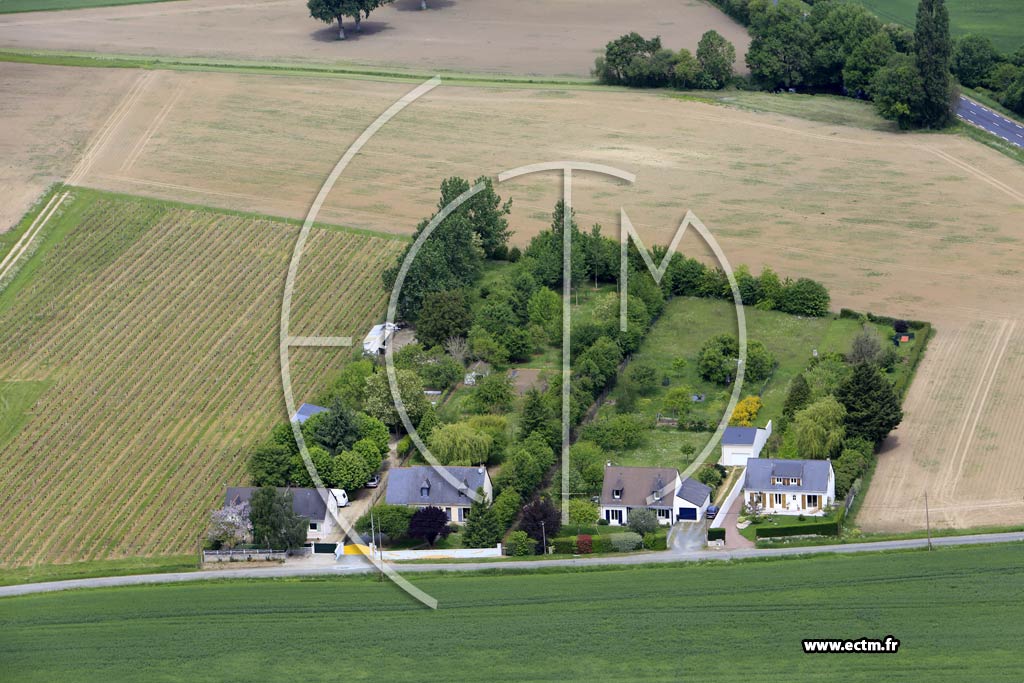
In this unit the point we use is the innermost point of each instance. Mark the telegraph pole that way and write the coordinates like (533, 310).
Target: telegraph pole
(927, 520)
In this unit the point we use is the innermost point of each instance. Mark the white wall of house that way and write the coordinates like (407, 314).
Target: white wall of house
(792, 502)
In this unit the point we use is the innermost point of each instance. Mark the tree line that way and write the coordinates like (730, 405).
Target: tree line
(831, 47)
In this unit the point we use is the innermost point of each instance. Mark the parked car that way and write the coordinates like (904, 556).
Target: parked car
(712, 511)
(341, 496)
(373, 481)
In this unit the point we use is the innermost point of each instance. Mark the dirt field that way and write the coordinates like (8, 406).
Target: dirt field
(922, 226)
(524, 37)
(48, 116)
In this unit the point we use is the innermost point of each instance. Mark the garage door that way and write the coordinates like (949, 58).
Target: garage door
(687, 513)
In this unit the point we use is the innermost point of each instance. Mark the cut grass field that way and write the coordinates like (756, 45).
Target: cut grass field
(1000, 20)
(140, 364)
(12, 6)
(955, 610)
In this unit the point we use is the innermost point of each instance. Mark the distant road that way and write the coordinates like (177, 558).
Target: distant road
(994, 122)
(358, 565)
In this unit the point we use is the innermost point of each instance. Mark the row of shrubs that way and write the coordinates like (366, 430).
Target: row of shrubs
(716, 534)
(623, 542)
(851, 314)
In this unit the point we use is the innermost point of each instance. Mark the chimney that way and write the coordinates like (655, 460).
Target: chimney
(480, 469)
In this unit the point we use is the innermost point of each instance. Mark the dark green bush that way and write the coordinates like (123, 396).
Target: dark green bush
(825, 528)
(716, 534)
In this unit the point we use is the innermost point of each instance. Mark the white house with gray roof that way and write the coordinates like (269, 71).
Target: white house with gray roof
(656, 488)
(789, 487)
(320, 510)
(742, 443)
(424, 486)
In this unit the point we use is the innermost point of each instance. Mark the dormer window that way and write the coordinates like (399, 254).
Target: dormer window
(616, 493)
(656, 495)
(425, 488)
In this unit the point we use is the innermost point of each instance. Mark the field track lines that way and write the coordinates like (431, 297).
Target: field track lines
(22, 245)
(147, 135)
(981, 406)
(977, 173)
(948, 483)
(106, 131)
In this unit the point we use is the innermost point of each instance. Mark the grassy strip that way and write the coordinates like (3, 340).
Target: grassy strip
(96, 568)
(351, 71)
(857, 537)
(19, 6)
(989, 140)
(174, 204)
(10, 238)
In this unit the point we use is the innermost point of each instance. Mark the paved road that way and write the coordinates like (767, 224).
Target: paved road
(995, 123)
(360, 566)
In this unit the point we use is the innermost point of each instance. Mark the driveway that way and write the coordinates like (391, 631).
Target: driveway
(687, 537)
(360, 501)
(733, 539)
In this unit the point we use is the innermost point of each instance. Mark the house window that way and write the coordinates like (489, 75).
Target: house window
(616, 493)
(812, 501)
(780, 499)
(313, 526)
(424, 491)
(664, 514)
(613, 516)
(462, 514)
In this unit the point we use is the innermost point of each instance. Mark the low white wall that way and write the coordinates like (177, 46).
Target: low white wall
(441, 554)
(737, 489)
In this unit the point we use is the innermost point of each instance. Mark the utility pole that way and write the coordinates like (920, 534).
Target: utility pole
(927, 520)
(544, 539)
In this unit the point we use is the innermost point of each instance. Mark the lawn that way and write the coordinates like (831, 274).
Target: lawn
(681, 331)
(776, 521)
(955, 610)
(11, 6)
(1001, 20)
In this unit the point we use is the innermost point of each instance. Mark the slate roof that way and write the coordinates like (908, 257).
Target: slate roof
(692, 491)
(405, 484)
(637, 484)
(306, 411)
(739, 436)
(306, 503)
(814, 474)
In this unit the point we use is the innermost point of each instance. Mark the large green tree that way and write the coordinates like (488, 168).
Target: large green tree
(781, 51)
(839, 28)
(872, 405)
(973, 58)
(485, 212)
(274, 522)
(381, 405)
(329, 11)
(897, 91)
(482, 529)
(818, 430)
(445, 314)
(716, 56)
(934, 56)
(859, 70)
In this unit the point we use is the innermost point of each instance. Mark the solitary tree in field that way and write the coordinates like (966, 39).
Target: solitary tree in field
(329, 11)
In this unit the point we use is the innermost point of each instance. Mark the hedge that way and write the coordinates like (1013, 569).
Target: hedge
(716, 534)
(826, 528)
(568, 545)
(851, 314)
(913, 358)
